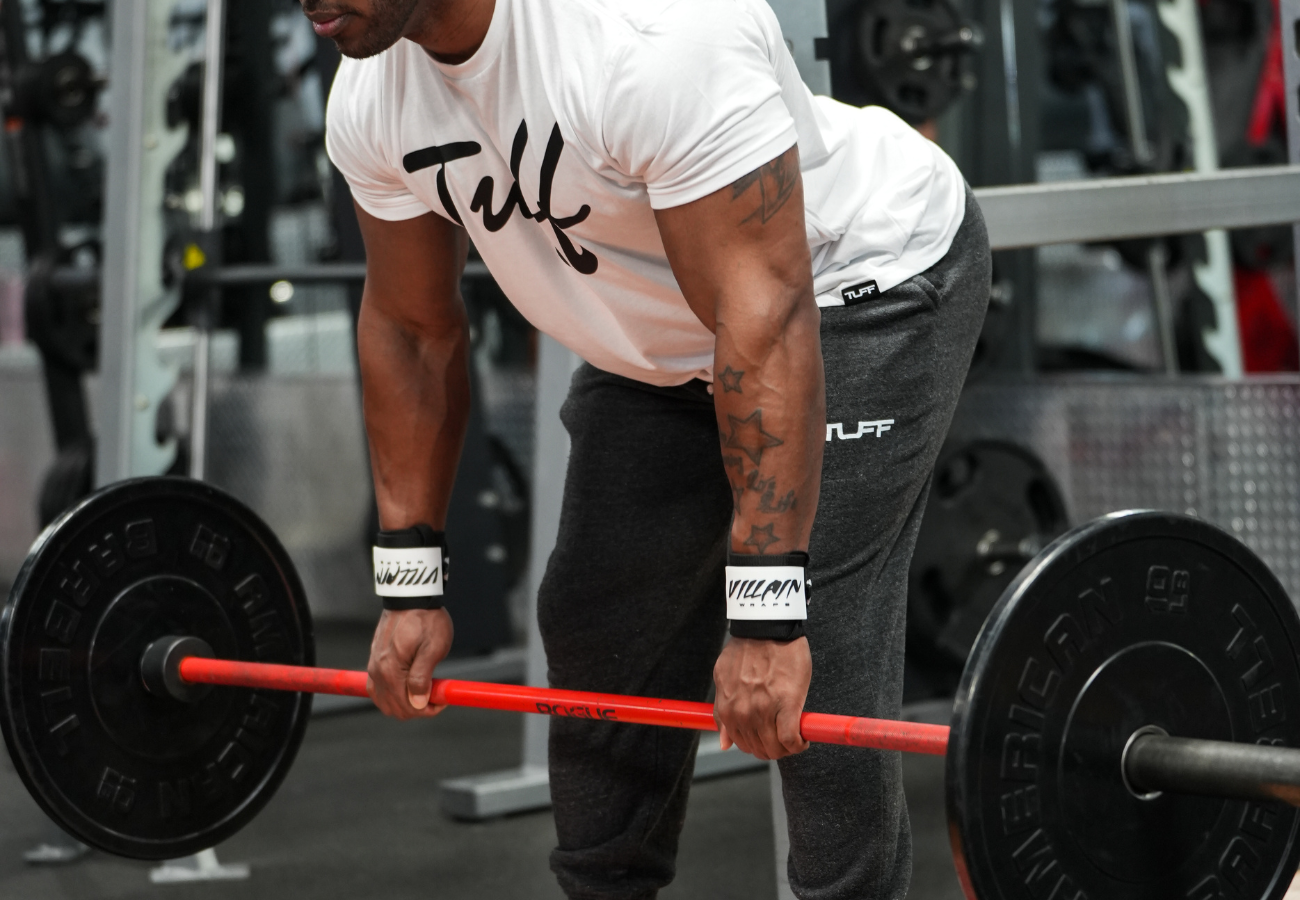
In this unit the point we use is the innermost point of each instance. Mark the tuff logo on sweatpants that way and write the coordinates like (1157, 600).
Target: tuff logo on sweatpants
(859, 292)
(878, 428)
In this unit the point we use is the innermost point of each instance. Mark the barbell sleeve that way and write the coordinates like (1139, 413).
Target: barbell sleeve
(1157, 762)
(822, 728)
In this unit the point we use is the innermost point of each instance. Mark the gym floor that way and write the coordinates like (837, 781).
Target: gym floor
(358, 817)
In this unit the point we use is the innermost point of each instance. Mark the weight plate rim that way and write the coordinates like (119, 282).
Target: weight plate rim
(1082, 541)
(27, 760)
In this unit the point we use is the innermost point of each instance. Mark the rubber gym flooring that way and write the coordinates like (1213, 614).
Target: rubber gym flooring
(357, 817)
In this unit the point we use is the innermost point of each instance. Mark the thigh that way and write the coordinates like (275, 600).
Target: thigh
(894, 371)
(636, 574)
(631, 603)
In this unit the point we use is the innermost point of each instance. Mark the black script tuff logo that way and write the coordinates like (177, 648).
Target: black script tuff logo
(443, 154)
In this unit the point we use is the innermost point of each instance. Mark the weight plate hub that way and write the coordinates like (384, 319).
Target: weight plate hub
(1139, 620)
(126, 771)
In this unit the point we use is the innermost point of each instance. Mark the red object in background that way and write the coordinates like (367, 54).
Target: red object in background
(1268, 339)
(853, 731)
(1270, 96)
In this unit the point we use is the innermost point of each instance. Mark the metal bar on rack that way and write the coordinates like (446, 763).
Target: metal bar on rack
(259, 273)
(1020, 215)
(119, 277)
(213, 50)
(1162, 302)
(1144, 154)
(310, 273)
(1104, 209)
(1133, 113)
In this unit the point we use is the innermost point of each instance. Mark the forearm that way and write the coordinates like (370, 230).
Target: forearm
(415, 396)
(769, 394)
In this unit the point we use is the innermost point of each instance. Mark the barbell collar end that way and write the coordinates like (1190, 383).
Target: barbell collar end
(160, 668)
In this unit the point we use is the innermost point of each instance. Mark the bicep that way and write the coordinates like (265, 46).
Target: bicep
(744, 247)
(413, 269)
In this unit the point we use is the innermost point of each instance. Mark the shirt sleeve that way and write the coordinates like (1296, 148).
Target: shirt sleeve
(354, 140)
(694, 102)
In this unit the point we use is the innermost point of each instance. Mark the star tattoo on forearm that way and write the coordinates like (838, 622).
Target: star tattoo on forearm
(748, 436)
(761, 538)
(730, 379)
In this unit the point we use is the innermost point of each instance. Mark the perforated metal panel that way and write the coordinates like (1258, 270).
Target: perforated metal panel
(1226, 452)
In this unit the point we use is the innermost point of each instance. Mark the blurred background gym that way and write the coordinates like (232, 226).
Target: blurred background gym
(153, 322)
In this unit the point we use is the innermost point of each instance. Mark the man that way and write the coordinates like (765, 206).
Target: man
(777, 297)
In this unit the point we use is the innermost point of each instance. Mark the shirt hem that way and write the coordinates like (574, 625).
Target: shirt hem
(397, 212)
(891, 276)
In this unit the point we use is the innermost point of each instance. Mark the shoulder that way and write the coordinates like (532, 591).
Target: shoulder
(363, 114)
(615, 31)
(655, 19)
(688, 42)
(366, 92)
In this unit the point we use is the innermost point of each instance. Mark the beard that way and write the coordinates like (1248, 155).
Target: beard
(375, 31)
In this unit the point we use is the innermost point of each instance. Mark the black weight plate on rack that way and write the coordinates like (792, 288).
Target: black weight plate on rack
(983, 490)
(1136, 619)
(123, 770)
(915, 85)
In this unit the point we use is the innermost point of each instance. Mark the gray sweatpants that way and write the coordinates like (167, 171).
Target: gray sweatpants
(632, 601)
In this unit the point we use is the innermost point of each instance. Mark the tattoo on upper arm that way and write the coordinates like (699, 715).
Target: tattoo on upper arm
(776, 181)
(730, 379)
(748, 436)
(761, 538)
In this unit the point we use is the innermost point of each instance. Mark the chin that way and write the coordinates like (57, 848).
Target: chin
(360, 49)
(359, 43)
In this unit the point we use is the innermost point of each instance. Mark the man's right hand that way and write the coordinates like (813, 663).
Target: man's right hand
(406, 647)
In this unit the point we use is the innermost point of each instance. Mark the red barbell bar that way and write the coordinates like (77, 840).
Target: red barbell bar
(821, 728)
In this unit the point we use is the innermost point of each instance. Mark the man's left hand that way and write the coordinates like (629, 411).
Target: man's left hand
(762, 687)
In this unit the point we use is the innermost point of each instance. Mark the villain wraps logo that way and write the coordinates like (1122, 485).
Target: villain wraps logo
(396, 574)
(443, 154)
(760, 591)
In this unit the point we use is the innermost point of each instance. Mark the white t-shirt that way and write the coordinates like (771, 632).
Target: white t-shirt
(575, 119)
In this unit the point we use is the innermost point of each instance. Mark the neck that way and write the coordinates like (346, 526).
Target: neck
(451, 30)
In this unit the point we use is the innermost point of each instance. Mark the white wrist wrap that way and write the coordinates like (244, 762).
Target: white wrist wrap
(766, 592)
(408, 571)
